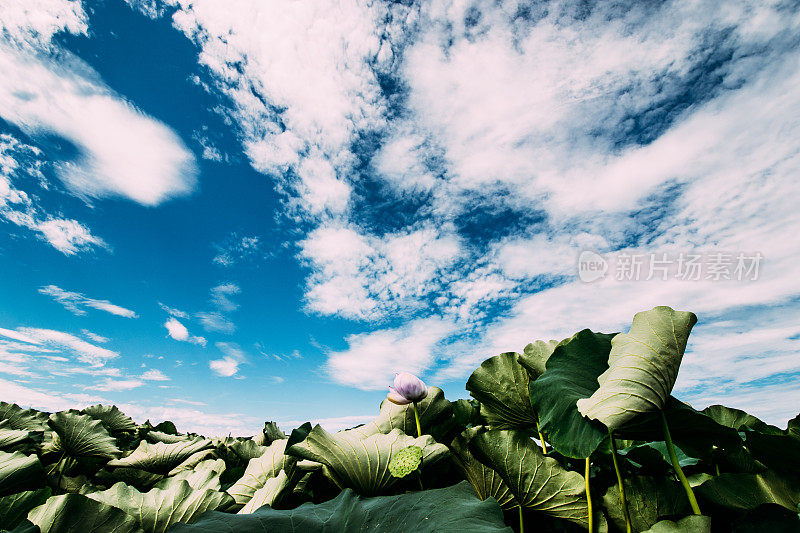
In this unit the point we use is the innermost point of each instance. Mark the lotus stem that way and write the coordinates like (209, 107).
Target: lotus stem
(589, 498)
(622, 499)
(677, 467)
(521, 521)
(416, 418)
(541, 438)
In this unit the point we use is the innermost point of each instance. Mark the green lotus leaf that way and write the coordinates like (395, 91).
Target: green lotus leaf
(20, 472)
(10, 437)
(80, 435)
(167, 438)
(140, 479)
(779, 452)
(111, 417)
(738, 419)
(538, 482)
(642, 367)
(268, 494)
(768, 517)
(687, 524)
(160, 458)
(156, 510)
(205, 475)
(650, 499)
(260, 470)
(432, 411)
(486, 482)
(453, 508)
(247, 449)
(793, 427)
(500, 384)
(193, 460)
(19, 418)
(15, 507)
(744, 492)
(535, 355)
(270, 433)
(76, 513)
(405, 461)
(571, 374)
(655, 454)
(363, 464)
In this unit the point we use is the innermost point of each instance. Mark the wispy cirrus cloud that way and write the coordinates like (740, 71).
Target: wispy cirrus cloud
(75, 302)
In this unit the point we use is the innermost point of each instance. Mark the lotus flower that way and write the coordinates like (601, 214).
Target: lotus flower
(407, 388)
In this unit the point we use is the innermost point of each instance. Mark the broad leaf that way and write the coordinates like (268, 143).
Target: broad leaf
(486, 482)
(500, 384)
(261, 469)
(538, 482)
(206, 475)
(649, 500)
(363, 464)
(10, 437)
(642, 367)
(81, 436)
(76, 513)
(453, 508)
(19, 472)
(160, 458)
(738, 419)
(156, 510)
(571, 374)
(111, 417)
(271, 432)
(166, 438)
(779, 452)
(247, 449)
(19, 418)
(687, 524)
(269, 493)
(744, 492)
(15, 507)
(535, 356)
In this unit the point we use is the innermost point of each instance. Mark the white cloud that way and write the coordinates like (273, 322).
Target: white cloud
(154, 375)
(94, 337)
(172, 311)
(372, 359)
(26, 21)
(178, 331)
(84, 351)
(236, 248)
(75, 301)
(115, 385)
(216, 322)
(220, 296)
(228, 365)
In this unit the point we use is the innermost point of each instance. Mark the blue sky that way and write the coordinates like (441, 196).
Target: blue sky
(225, 213)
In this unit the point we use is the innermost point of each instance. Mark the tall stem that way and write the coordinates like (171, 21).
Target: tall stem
(622, 499)
(416, 417)
(589, 498)
(541, 438)
(521, 522)
(677, 466)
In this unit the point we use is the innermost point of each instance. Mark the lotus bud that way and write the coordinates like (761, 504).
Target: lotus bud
(407, 388)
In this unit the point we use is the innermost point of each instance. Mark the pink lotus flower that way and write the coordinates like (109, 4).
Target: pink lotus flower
(407, 388)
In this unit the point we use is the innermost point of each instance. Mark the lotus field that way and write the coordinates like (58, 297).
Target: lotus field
(581, 434)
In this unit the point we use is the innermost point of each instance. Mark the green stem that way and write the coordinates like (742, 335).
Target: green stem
(677, 466)
(416, 417)
(521, 521)
(589, 498)
(541, 438)
(622, 499)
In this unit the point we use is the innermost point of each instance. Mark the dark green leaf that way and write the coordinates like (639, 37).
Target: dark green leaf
(75, 513)
(500, 384)
(650, 499)
(14, 507)
(80, 435)
(20, 472)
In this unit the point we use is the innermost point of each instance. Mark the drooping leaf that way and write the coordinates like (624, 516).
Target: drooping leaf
(486, 482)
(167, 438)
(111, 417)
(656, 452)
(779, 452)
(14, 508)
(76, 513)
(363, 464)
(19, 472)
(19, 418)
(650, 499)
(156, 510)
(687, 524)
(193, 460)
(140, 479)
(642, 367)
(535, 356)
(738, 419)
(260, 470)
(500, 384)
(268, 494)
(9, 437)
(571, 374)
(744, 492)
(80, 435)
(160, 458)
(247, 449)
(454, 508)
(538, 482)
(206, 475)
(271, 432)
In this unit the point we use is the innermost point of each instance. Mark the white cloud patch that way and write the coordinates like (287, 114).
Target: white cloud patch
(75, 302)
(178, 331)
(228, 365)
(82, 350)
(115, 385)
(237, 248)
(94, 337)
(221, 296)
(154, 375)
